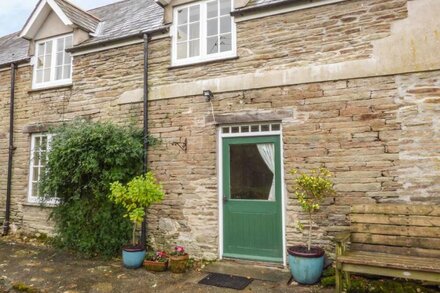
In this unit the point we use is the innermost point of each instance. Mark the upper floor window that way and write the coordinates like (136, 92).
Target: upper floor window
(203, 31)
(53, 65)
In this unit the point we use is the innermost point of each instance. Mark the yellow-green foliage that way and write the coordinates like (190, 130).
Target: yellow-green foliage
(136, 196)
(310, 190)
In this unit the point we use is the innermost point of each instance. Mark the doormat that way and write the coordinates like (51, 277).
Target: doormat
(226, 281)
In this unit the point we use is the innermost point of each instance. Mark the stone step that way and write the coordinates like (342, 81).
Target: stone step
(256, 270)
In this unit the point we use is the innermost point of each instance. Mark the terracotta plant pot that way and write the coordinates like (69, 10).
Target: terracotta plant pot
(155, 266)
(178, 263)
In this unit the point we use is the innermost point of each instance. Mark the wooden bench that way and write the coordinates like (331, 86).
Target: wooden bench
(394, 240)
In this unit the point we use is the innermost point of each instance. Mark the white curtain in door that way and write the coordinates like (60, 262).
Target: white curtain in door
(267, 152)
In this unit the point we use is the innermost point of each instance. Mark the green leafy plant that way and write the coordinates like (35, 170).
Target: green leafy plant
(136, 196)
(85, 157)
(310, 190)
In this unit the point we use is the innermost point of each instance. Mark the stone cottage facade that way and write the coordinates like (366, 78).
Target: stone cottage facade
(352, 85)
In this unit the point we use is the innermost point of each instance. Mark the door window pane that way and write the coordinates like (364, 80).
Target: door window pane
(250, 176)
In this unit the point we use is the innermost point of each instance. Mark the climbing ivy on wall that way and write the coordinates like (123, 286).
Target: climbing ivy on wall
(85, 157)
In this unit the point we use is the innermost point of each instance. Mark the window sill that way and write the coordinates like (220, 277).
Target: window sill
(202, 62)
(54, 87)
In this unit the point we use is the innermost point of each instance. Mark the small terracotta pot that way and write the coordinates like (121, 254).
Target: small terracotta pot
(155, 266)
(178, 263)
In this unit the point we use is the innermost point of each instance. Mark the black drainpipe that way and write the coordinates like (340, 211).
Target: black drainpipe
(145, 165)
(10, 153)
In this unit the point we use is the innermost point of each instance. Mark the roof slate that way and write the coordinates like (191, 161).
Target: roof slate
(78, 16)
(13, 48)
(126, 18)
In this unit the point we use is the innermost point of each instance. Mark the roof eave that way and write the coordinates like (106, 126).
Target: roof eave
(244, 10)
(104, 43)
(20, 61)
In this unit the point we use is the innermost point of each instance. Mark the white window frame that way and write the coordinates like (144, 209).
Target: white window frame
(203, 38)
(31, 198)
(52, 82)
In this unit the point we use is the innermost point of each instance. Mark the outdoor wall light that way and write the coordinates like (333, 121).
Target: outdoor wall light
(208, 95)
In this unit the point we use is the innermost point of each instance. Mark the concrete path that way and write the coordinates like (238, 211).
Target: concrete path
(37, 268)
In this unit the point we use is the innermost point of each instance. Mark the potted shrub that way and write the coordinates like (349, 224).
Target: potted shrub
(156, 262)
(178, 260)
(306, 261)
(136, 196)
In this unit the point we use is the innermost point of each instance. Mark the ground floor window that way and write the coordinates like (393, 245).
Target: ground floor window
(40, 145)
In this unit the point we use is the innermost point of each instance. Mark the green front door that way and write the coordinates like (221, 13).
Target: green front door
(252, 226)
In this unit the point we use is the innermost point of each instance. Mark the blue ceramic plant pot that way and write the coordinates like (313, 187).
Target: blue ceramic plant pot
(133, 258)
(306, 266)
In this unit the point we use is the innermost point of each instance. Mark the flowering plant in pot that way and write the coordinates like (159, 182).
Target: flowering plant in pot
(136, 196)
(178, 260)
(307, 261)
(156, 261)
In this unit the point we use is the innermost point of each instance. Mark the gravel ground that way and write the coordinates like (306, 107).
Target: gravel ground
(32, 267)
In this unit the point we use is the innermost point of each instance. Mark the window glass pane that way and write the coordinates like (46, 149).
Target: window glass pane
(245, 128)
(255, 128)
(35, 189)
(41, 49)
(235, 129)
(67, 71)
(47, 61)
(40, 62)
(181, 50)
(212, 27)
(194, 48)
(182, 33)
(225, 7)
(39, 75)
(36, 157)
(48, 47)
(46, 75)
(225, 24)
(265, 127)
(212, 46)
(37, 143)
(275, 127)
(59, 72)
(225, 129)
(60, 45)
(43, 143)
(67, 58)
(68, 43)
(194, 13)
(182, 16)
(35, 174)
(212, 9)
(59, 58)
(194, 31)
(225, 43)
(250, 176)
